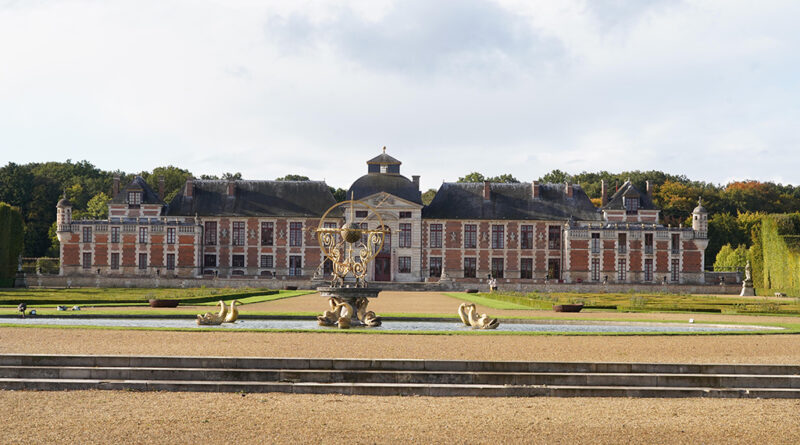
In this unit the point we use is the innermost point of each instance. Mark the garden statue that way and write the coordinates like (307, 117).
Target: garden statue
(747, 284)
(469, 316)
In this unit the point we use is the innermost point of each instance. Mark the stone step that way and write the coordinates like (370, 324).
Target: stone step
(389, 389)
(415, 377)
(389, 364)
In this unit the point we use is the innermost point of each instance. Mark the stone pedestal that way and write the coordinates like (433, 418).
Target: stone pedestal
(349, 296)
(747, 289)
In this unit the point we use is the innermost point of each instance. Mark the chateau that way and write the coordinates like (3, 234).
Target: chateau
(518, 233)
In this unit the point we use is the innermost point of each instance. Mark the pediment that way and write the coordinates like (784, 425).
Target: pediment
(385, 200)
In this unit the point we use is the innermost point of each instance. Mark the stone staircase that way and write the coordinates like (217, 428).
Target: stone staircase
(396, 377)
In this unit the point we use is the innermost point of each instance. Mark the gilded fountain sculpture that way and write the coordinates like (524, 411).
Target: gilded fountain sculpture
(350, 249)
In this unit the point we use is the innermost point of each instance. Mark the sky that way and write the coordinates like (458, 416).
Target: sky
(709, 89)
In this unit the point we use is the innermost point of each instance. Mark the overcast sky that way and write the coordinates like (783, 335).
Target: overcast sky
(708, 89)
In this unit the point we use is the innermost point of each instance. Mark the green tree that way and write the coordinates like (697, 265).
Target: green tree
(477, 177)
(227, 176)
(174, 180)
(293, 178)
(428, 196)
(556, 177)
(339, 194)
(97, 207)
(472, 177)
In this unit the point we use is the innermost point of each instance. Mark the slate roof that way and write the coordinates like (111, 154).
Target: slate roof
(383, 158)
(138, 184)
(456, 200)
(629, 190)
(254, 198)
(395, 184)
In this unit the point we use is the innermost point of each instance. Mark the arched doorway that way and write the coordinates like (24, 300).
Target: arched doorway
(383, 260)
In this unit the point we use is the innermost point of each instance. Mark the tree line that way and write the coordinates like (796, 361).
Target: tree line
(35, 188)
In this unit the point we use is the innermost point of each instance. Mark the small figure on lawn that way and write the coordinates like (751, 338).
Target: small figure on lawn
(22, 308)
(492, 284)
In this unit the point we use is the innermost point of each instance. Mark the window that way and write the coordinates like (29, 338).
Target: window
(435, 240)
(622, 242)
(387, 241)
(327, 267)
(87, 234)
(295, 265)
(526, 237)
(115, 234)
(170, 235)
(648, 243)
(469, 268)
(237, 261)
(364, 236)
(404, 264)
(595, 243)
(554, 237)
(621, 266)
(526, 268)
(470, 236)
(405, 235)
(267, 262)
(210, 261)
(211, 233)
(296, 234)
(631, 205)
(595, 269)
(267, 233)
(142, 261)
(87, 260)
(114, 261)
(497, 267)
(170, 261)
(361, 213)
(676, 243)
(435, 266)
(648, 269)
(554, 269)
(134, 198)
(143, 235)
(237, 234)
(676, 269)
(405, 215)
(497, 236)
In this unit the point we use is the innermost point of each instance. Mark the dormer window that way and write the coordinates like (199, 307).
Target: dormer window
(631, 205)
(134, 198)
(384, 168)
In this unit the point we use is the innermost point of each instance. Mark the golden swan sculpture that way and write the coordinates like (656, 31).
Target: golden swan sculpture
(341, 314)
(210, 318)
(233, 313)
(469, 316)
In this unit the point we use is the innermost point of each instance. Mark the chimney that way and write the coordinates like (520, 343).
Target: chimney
(415, 180)
(603, 193)
(231, 189)
(115, 188)
(568, 189)
(649, 189)
(161, 188)
(535, 189)
(487, 190)
(189, 193)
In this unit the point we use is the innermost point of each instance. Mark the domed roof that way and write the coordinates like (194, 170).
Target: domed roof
(699, 208)
(394, 184)
(63, 202)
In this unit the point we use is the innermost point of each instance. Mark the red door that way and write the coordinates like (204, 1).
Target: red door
(383, 268)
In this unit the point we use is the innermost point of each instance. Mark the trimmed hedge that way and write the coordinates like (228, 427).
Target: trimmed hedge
(775, 254)
(12, 233)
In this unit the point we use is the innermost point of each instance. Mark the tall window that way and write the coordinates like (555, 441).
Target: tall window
(115, 234)
(296, 234)
(210, 261)
(676, 269)
(497, 236)
(114, 261)
(404, 264)
(526, 236)
(237, 261)
(267, 233)
(211, 233)
(170, 235)
(267, 262)
(295, 265)
(142, 261)
(435, 240)
(622, 265)
(497, 267)
(469, 267)
(554, 237)
(170, 261)
(405, 235)
(648, 243)
(676, 243)
(470, 236)
(134, 198)
(595, 243)
(435, 266)
(87, 260)
(622, 242)
(87, 234)
(648, 269)
(143, 235)
(237, 234)
(387, 241)
(631, 205)
(595, 269)
(526, 268)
